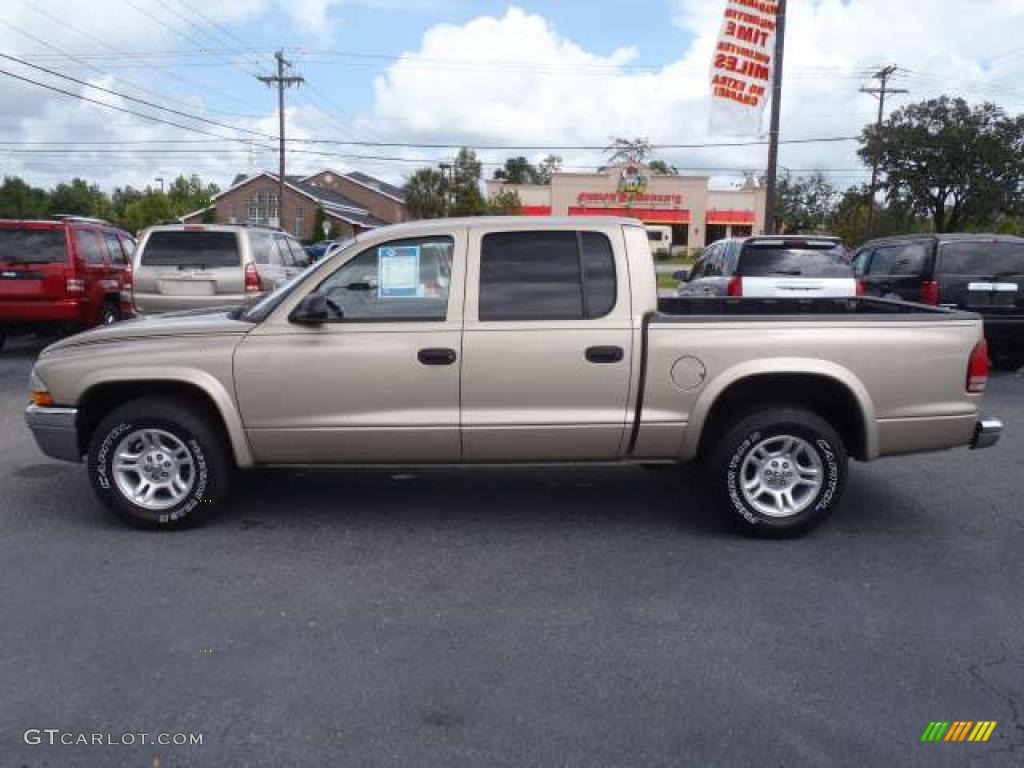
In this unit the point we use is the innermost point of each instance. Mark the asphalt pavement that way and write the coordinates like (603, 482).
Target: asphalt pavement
(561, 617)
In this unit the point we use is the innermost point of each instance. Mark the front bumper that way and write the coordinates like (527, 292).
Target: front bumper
(986, 433)
(55, 430)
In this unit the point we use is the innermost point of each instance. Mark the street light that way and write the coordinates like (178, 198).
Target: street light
(161, 180)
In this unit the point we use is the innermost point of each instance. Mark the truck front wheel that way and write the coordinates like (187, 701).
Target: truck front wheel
(156, 463)
(781, 471)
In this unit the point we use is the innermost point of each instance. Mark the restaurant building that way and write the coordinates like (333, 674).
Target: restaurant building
(697, 214)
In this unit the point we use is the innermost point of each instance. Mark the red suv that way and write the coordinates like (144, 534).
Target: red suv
(63, 275)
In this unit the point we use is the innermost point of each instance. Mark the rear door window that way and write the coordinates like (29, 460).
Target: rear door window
(175, 248)
(32, 246)
(796, 260)
(983, 259)
(547, 275)
(902, 260)
(87, 243)
(114, 248)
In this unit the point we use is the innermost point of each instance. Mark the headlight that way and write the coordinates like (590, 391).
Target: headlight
(38, 392)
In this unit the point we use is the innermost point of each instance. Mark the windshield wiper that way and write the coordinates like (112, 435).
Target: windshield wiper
(788, 272)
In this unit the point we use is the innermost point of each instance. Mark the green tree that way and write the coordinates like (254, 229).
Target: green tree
(148, 209)
(505, 204)
(426, 194)
(82, 199)
(548, 167)
(468, 200)
(517, 170)
(318, 223)
(959, 165)
(18, 200)
(628, 150)
(805, 203)
(660, 166)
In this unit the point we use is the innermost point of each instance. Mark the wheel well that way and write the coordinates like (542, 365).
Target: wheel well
(100, 400)
(828, 398)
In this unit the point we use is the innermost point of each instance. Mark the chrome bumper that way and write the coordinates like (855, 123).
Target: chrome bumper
(986, 433)
(55, 430)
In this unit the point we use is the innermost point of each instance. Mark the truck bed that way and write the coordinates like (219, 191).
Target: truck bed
(694, 307)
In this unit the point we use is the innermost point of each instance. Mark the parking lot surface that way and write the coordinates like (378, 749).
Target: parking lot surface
(570, 617)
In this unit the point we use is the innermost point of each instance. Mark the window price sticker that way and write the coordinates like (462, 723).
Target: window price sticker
(398, 270)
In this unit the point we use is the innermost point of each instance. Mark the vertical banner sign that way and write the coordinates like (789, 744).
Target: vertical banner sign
(741, 69)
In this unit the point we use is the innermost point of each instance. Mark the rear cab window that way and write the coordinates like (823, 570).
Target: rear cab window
(904, 260)
(30, 245)
(546, 275)
(982, 259)
(794, 258)
(184, 248)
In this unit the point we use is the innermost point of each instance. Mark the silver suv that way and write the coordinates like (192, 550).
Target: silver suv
(195, 266)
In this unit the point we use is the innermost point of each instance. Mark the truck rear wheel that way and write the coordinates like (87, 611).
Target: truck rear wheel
(781, 471)
(156, 463)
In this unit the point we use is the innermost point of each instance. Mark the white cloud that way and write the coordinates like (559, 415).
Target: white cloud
(570, 96)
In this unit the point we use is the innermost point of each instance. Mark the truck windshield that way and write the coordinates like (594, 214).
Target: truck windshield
(983, 259)
(177, 248)
(806, 260)
(32, 246)
(256, 313)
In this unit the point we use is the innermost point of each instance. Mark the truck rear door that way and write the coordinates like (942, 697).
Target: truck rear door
(982, 276)
(547, 346)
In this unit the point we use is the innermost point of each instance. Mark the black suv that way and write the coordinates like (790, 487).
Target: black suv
(979, 273)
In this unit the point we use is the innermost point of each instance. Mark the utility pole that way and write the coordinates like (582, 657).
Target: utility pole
(282, 81)
(773, 139)
(882, 76)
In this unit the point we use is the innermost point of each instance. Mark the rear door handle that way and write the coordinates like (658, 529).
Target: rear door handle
(605, 354)
(437, 356)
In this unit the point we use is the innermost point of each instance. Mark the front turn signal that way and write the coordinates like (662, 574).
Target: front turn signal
(41, 398)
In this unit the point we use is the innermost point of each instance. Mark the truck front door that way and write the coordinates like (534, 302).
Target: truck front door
(379, 381)
(547, 348)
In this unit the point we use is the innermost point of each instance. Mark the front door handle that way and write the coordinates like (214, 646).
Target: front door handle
(605, 354)
(437, 356)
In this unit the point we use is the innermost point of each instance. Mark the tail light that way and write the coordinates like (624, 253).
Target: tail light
(735, 287)
(253, 283)
(74, 284)
(861, 289)
(930, 293)
(977, 368)
(128, 289)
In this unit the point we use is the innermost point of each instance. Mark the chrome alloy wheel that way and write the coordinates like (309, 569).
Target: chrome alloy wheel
(153, 469)
(781, 476)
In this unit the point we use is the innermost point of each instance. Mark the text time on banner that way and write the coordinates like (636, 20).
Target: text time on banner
(741, 69)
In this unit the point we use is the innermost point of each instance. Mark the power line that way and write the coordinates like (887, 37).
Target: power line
(150, 104)
(143, 115)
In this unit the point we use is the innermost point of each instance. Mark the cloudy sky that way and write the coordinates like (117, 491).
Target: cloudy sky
(551, 73)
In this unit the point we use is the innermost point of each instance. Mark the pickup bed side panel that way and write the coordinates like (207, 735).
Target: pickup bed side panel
(907, 377)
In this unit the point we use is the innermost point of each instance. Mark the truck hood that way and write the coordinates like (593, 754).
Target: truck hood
(202, 322)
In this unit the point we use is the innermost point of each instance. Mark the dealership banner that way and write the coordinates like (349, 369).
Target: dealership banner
(741, 68)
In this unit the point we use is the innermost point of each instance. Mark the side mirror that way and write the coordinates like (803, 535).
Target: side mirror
(683, 275)
(312, 310)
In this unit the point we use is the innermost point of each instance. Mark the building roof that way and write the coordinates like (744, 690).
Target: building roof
(365, 180)
(332, 202)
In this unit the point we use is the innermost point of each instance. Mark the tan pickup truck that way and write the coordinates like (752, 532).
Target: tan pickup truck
(509, 341)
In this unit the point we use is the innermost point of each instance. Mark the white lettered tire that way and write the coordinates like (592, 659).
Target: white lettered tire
(157, 463)
(781, 471)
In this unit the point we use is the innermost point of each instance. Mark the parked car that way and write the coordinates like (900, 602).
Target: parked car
(980, 273)
(772, 267)
(509, 340)
(63, 275)
(195, 266)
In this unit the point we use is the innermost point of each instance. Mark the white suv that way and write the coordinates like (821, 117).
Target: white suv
(195, 266)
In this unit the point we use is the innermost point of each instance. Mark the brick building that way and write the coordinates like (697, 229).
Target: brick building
(352, 203)
(696, 214)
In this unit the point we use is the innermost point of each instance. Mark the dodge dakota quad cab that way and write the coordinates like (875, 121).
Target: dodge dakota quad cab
(509, 341)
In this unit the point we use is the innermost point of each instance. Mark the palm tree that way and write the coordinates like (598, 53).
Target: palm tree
(426, 194)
